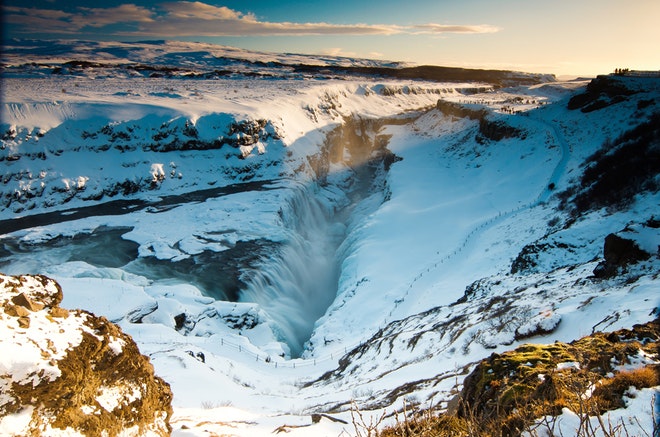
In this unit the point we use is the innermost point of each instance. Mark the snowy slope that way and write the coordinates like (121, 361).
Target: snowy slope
(260, 244)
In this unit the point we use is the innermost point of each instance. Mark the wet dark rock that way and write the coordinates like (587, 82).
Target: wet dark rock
(179, 321)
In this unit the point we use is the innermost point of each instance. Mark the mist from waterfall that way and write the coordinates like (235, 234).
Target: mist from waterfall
(298, 281)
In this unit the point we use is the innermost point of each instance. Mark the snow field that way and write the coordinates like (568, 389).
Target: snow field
(457, 211)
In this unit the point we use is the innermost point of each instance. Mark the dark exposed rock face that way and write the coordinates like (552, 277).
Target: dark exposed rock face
(618, 253)
(457, 110)
(497, 131)
(619, 170)
(601, 92)
(488, 129)
(70, 370)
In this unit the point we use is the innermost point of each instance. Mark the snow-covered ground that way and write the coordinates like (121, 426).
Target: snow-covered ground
(271, 274)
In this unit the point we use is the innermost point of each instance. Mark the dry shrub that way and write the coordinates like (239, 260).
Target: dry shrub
(610, 393)
(443, 425)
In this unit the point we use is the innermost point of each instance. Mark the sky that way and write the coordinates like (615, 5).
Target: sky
(564, 37)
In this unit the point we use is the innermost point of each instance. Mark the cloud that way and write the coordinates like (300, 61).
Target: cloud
(33, 18)
(202, 11)
(199, 19)
(100, 17)
(337, 51)
(452, 28)
(59, 22)
(35, 12)
(194, 18)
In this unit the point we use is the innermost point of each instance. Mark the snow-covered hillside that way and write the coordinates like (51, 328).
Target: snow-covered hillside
(285, 244)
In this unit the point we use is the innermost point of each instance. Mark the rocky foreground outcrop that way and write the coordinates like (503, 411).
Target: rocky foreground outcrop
(590, 375)
(69, 372)
(527, 390)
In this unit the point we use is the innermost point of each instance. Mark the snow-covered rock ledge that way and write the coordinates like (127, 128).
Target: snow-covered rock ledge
(69, 372)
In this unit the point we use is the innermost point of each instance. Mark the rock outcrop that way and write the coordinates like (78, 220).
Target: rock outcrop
(508, 391)
(71, 372)
(601, 92)
(633, 244)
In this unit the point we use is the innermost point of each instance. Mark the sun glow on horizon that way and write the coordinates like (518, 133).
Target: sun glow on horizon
(588, 38)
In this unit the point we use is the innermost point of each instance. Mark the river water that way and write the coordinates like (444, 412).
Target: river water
(293, 280)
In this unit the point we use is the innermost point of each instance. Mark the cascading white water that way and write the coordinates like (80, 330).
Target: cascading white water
(296, 284)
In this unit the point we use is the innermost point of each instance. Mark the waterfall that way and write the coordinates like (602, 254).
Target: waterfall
(298, 281)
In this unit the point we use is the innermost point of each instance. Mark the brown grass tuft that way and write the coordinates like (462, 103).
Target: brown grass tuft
(610, 393)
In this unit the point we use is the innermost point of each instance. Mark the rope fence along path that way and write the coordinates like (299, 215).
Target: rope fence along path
(543, 196)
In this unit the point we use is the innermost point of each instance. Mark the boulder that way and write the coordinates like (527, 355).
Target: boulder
(71, 372)
(618, 253)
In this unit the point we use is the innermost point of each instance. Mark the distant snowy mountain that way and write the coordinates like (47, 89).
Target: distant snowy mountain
(190, 60)
(302, 235)
(165, 53)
